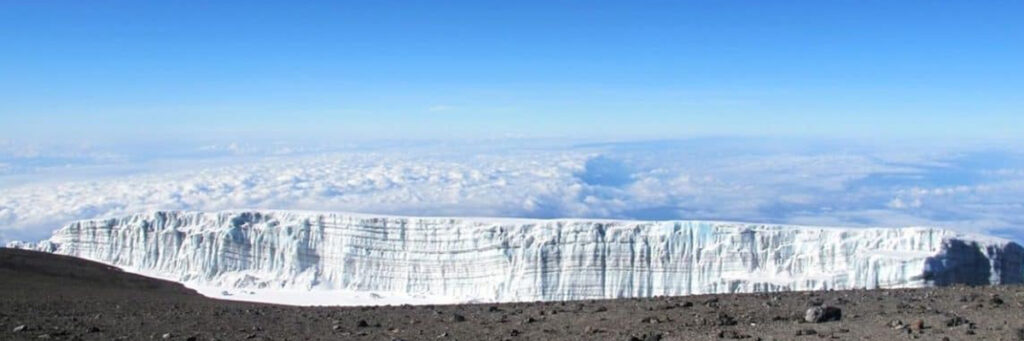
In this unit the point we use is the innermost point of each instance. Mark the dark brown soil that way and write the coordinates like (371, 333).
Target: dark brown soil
(64, 298)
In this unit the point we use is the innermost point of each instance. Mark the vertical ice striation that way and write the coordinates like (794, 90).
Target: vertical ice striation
(524, 260)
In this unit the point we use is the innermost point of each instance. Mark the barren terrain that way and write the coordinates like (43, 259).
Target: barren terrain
(45, 296)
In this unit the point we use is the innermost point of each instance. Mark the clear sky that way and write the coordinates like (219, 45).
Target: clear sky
(118, 71)
(846, 113)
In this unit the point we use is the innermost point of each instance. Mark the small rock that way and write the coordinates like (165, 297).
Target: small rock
(917, 325)
(514, 332)
(652, 337)
(895, 324)
(732, 334)
(956, 321)
(362, 324)
(726, 320)
(458, 318)
(166, 336)
(20, 328)
(821, 314)
(44, 336)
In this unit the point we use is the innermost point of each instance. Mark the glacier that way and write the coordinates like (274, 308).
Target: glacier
(506, 259)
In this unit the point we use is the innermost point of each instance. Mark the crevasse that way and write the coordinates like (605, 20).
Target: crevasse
(481, 259)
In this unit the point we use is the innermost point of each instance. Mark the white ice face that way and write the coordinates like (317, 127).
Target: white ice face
(480, 259)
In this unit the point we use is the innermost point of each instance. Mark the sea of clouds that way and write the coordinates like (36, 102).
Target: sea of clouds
(975, 189)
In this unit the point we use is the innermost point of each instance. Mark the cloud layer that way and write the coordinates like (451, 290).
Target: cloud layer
(974, 191)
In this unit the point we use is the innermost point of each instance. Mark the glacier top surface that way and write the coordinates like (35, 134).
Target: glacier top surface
(482, 221)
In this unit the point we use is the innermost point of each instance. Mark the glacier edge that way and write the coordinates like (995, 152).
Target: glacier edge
(503, 259)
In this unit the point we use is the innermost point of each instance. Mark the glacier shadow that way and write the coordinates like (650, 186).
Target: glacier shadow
(963, 262)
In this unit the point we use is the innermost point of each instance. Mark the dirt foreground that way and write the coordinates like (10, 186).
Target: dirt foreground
(44, 296)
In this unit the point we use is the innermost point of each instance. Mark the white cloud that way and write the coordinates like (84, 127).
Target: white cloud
(852, 189)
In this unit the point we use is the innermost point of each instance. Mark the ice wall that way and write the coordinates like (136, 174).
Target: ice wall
(498, 259)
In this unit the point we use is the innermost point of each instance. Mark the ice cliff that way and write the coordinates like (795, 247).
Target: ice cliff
(524, 260)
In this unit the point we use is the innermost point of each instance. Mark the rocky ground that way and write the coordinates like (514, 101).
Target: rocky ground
(45, 296)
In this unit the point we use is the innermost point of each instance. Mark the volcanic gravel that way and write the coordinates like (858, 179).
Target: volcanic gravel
(44, 296)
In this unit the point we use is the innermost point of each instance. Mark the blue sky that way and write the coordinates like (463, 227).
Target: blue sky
(839, 113)
(131, 71)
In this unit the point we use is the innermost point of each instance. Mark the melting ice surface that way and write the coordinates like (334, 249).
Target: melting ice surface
(314, 258)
